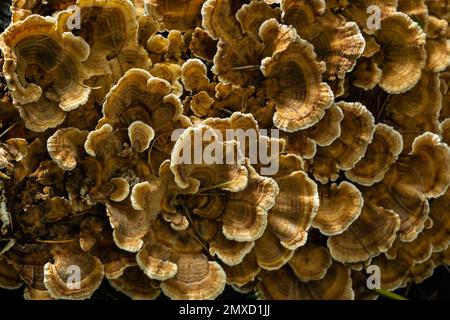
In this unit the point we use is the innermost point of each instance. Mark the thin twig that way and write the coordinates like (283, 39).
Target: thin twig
(388, 294)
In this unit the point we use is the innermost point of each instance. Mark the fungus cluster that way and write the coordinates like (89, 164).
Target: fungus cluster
(93, 182)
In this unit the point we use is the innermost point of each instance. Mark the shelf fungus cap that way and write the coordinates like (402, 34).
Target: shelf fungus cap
(9, 276)
(337, 42)
(328, 128)
(403, 44)
(340, 206)
(157, 261)
(140, 135)
(302, 14)
(194, 75)
(121, 189)
(147, 196)
(135, 284)
(295, 208)
(294, 82)
(393, 272)
(372, 233)
(129, 225)
(270, 254)
(283, 285)
(65, 147)
(179, 15)
(230, 252)
(44, 71)
(245, 216)
(196, 279)
(357, 129)
(60, 276)
(382, 152)
(95, 138)
(310, 262)
(431, 157)
(244, 272)
(221, 169)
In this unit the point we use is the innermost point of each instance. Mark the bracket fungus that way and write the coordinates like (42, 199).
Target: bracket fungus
(174, 148)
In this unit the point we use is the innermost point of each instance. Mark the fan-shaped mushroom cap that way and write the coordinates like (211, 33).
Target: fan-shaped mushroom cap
(323, 133)
(196, 279)
(294, 210)
(225, 172)
(438, 54)
(270, 254)
(401, 191)
(340, 205)
(417, 110)
(299, 103)
(114, 260)
(180, 15)
(121, 189)
(34, 278)
(244, 128)
(9, 277)
(157, 46)
(356, 10)
(194, 75)
(219, 20)
(372, 233)
(431, 157)
(310, 262)
(337, 42)
(109, 27)
(95, 139)
(158, 257)
(366, 74)
(140, 96)
(244, 272)
(44, 71)
(403, 44)
(60, 277)
(146, 196)
(251, 16)
(282, 284)
(13, 150)
(140, 135)
(90, 232)
(422, 271)
(239, 50)
(328, 128)
(349, 148)
(170, 72)
(393, 272)
(302, 14)
(202, 45)
(230, 252)
(131, 225)
(419, 250)
(65, 147)
(245, 216)
(135, 284)
(29, 261)
(201, 104)
(381, 153)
